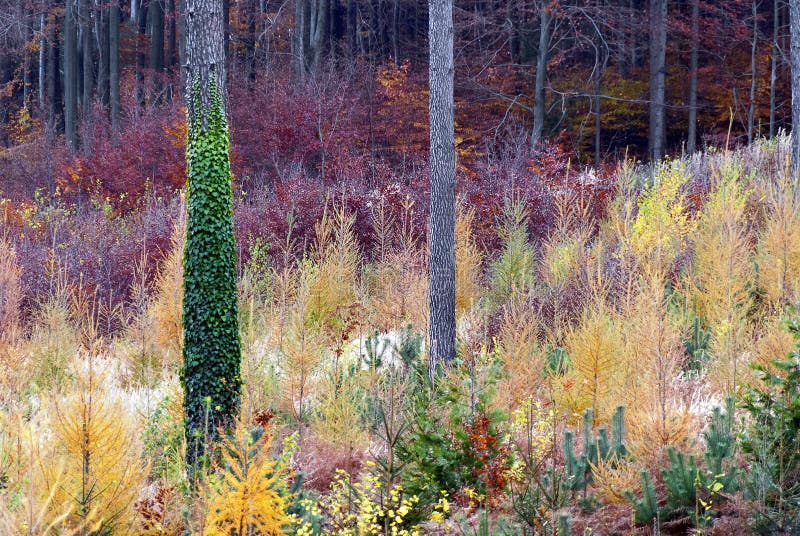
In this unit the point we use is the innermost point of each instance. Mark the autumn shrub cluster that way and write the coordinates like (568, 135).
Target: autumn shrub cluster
(626, 357)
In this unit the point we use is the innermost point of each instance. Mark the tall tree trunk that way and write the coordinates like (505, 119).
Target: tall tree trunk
(773, 76)
(53, 86)
(156, 23)
(88, 63)
(70, 74)
(751, 109)
(87, 70)
(319, 36)
(172, 35)
(26, 58)
(41, 70)
(298, 41)
(211, 350)
(545, 16)
(101, 30)
(141, 54)
(691, 142)
(658, 75)
(113, 63)
(794, 24)
(226, 37)
(441, 233)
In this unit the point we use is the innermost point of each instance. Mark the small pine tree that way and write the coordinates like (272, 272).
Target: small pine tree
(211, 352)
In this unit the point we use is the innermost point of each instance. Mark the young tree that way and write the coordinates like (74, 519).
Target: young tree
(441, 233)
(211, 353)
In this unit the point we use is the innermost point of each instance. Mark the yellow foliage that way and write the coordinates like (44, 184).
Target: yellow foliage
(468, 263)
(612, 477)
(659, 232)
(398, 288)
(245, 497)
(332, 283)
(722, 276)
(778, 249)
(10, 293)
(523, 357)
(101, 456)
(595, 347)
(364, 507)
(653, 355)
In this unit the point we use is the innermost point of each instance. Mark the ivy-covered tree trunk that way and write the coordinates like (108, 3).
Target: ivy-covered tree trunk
(211, 351)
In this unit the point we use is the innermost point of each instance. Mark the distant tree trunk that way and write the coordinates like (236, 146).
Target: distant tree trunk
(658, 48)
(691, 142)
(182, 39)
(794, 24)
(101, 25)
(41, 70)
(298, 43)
(53, 80)
(156, 23)
(113, 63)
(751, 109)
(226, 22)
(88, 63)
(70, 75)
(320, 33)
(141, 55)
(773, 77)
(441, 233)
(26, 58)
(172, 35)
(545, 17)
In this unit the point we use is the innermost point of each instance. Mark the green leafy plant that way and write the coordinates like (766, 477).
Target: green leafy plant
(211, 352)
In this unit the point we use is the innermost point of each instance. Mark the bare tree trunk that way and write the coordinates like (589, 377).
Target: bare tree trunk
(113, 63)
(172, 36)
(101, 30)
(545, 17)
(319, 36)
(658, 48)
(691, 142)
(141, 54)
(773, 76)
(41, 70)
(88, 64)
(751, 109)
(156, 23)
(70, 75)
(794, 24)
(53, 86)
(441, 233)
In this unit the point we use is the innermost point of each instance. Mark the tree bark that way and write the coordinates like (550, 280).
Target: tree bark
(88, 63)
(773, 76)
(751, 109)
(441, 234)
(156, 23)
(70, 75)
(691, 142)
(41, 70)
(205, 52)
(53, 80)
(794, 23)
(113, 63)
(658, 75)
(101, 30)
(545, 16)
